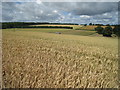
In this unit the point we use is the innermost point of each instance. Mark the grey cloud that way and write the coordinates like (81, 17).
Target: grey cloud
(85, 8)
(26, 11)
(95, 8)
(60, 12)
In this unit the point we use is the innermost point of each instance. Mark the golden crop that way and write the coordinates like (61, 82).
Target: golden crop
(0, 58)
(45, 60)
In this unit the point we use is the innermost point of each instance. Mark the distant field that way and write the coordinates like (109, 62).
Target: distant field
(53, 25)
(88, 27)
(74, 26)
(36, 58)
(77, 27)
(53, 30)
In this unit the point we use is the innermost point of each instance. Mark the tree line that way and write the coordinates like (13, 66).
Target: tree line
(108, 30)
(27, 25)
(91, 24)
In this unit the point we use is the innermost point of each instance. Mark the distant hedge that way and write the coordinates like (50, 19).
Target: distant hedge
(47, 27)
(27, 25)
(13, 25)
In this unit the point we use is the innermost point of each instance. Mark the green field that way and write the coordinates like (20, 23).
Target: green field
(40, 58)
(51, 30)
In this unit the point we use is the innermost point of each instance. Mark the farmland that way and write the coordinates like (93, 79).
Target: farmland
(77, 27)
(74, 26)
(52, 30)
(39, 58)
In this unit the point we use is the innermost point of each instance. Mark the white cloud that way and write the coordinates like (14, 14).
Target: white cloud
(60, 12)
(85, 16)
(38, 2)
(41, 11)
(55, 11)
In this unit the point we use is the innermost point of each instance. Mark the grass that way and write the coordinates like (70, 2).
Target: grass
(35, 59)
(63, 31)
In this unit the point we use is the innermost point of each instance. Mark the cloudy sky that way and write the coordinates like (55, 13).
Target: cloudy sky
(65, 12)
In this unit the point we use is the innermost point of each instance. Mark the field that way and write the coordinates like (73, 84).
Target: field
(77, 27)
(74, 26)
(0, 58)
(39, 58)
(63, 31)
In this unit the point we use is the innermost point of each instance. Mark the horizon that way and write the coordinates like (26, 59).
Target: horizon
(61, 23)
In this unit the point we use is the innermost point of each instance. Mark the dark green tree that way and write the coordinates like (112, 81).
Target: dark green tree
(90, 23)
(107, 31)
(116, 30)
(85, 24)
(99, 29)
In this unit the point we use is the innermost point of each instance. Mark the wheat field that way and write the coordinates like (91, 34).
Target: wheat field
(48, 60)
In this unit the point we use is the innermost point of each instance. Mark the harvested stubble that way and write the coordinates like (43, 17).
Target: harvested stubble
(43, 60)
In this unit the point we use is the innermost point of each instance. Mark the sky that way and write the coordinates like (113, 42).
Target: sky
(61, 12)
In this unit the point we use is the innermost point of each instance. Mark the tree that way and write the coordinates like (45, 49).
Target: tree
(116, 30)
(85, 24)
(108, 25)
(90, 23)
(107, 31)
(99, 29)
